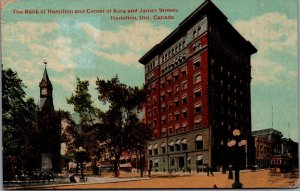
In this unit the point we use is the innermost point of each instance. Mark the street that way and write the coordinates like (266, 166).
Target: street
(259, 179)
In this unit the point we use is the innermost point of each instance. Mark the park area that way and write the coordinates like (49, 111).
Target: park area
(249, 179)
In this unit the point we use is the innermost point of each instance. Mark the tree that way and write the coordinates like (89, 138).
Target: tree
(20, 144)
(84, 106)
(119, 126)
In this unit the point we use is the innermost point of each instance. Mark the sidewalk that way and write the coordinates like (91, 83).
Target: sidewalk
(66, 182)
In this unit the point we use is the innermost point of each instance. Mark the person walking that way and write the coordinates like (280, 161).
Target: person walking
(207, 170)
(211, 171)
(230, 174)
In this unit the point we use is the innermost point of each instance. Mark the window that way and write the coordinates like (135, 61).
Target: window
(170, 93)
(154, 122)
(170, 105)
(177, 145)
(197, 64)
(183, 72)
(197, 108)
(184, 114)
(197, 124)
(176, 102)
(154, 100)
(184, 100)
(163, 97)
(184, 85)
(163, 85)
(170, 131)
(170, 118)
(171, 148)
(199, 142)
(163, 121)
(175, 77)
(197, 78)
(156, 151)
(197, 93)
(150, 152)
(184, 147)
(163, 150)
(184, 127)
(173, 160)
(154, 110)
(169, 81)
(177, 116)
(176, 89)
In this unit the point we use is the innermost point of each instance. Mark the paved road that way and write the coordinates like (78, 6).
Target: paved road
(260, 179)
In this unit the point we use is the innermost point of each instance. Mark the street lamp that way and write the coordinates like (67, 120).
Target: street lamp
(80, 155)
(237, 142)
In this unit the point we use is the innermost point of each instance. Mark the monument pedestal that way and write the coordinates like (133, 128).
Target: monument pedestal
(46, 163)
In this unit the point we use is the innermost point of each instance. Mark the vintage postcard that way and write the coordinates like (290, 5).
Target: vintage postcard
(167, 94)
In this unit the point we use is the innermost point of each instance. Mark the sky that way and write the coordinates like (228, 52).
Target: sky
(91, 45)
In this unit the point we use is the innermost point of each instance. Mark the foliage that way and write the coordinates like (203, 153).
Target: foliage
(20, 143)
(120, 128)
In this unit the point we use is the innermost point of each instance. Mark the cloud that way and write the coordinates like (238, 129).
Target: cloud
(273, 34)
(270, 31)
(134, 39)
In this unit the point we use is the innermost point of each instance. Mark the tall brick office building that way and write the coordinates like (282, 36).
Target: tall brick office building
(198, 81)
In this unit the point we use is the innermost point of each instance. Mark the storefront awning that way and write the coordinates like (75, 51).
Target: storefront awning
(150, 147)
(199, 157)
(171, 143)
(177, 142)
(184, 141)
(199, 138)
(155, 146)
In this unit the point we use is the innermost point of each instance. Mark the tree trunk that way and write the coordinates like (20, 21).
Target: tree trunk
(116, 168)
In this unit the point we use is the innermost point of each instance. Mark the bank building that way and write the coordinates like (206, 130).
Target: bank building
(198, 81)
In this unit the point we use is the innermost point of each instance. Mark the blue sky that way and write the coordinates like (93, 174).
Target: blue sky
(91, 45)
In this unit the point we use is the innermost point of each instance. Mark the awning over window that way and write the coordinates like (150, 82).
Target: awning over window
(177, 126)
(184, 125)
(149, 147)
(163, 129)
(177, 142)
(156, 161)
(189, 158)
(171, 143)
(184, 141)
(155, 146)
(198, 120)
(199, 157)
(199, 138)
(163, 145)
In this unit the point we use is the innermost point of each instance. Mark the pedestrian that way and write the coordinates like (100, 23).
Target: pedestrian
(211, 171)
(215, 186)
(207, 170)
(150, 168)
(72, 179)
(230, 174)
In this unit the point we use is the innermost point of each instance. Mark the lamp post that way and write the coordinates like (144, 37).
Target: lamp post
(81, 154)
(237, 142)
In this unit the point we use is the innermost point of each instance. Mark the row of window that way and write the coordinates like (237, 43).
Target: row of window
(174, 146)
(169, 53)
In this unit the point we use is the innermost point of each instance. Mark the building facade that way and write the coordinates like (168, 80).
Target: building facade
(268, 143)
(198, 81)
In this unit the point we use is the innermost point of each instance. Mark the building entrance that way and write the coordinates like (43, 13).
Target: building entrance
(180, 162)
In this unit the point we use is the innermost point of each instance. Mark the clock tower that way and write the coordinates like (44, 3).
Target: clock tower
(49, 128)
(46, 99)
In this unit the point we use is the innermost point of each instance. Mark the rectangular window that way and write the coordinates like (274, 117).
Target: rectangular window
(197, 78)
(172, 148)
(150, 152)
(197, 64)
(175, 77)
(184, 100)
(177, 147)
(184, 114)
(197, 108)
(176, 103)
(177, 116)
(183, 73)
(176, 89)
(197, 93)
(163, 150)
(156, 151)
(184, 147)
(170, 131)
(199, 145)
(184, 85)
(163, 85)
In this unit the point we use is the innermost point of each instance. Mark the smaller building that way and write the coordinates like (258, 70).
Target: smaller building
(290, 149)
(268, 143)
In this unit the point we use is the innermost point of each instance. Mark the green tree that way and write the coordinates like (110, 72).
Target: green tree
(120, 124)
(19, 117)
(84, 106)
